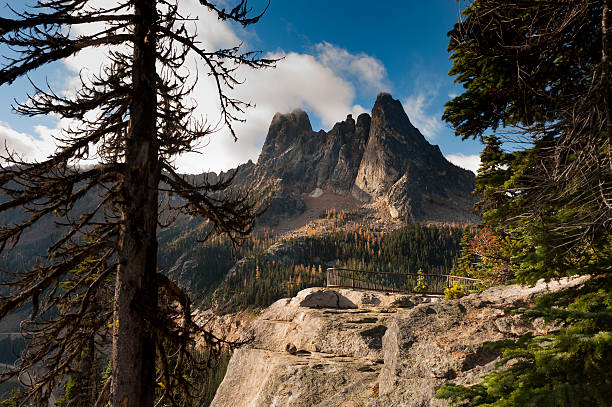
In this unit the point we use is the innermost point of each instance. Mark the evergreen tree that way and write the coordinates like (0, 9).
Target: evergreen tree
(538, 73)
(465, 264)
(133, 117)
(431, 248)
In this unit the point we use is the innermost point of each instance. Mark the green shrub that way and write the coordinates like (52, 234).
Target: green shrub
(421, 285)
(454, 291)
(565, 368)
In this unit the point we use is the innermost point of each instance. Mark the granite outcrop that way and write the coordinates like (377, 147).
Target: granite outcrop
(355, 348)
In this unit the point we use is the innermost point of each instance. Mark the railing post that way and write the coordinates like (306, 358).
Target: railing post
(353, 277)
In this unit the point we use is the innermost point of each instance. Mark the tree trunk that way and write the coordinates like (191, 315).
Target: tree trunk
(605, 74)
(133, 381)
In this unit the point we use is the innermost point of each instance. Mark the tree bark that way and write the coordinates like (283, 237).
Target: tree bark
(605, 73)
(133, 381)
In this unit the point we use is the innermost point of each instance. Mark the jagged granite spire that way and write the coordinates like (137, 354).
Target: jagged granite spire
(286, 130)
(378, 158)
(304, 159)
(393, 140)
(411, 175)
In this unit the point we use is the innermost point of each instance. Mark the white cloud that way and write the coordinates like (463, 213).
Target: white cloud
(299, 80)
(367, 71)
(24, 145)
(319, 84)
(469, 162)
(417, 108)
(324, 84)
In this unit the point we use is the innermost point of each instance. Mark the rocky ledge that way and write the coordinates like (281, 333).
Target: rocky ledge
(349, 348)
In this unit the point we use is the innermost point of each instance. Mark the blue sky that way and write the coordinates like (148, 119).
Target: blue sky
(408, 37)
(337, 56)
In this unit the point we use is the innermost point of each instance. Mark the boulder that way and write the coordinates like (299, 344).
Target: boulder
(320, 298)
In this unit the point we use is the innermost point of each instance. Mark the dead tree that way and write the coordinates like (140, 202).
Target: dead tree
(133, 117)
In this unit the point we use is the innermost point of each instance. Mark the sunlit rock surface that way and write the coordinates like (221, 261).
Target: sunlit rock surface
(340, 347)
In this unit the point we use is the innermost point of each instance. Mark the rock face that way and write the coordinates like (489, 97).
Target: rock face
(182, 273)
(412, 176)
(304, 160)
(393, 142)
(377, 158)
(360, 348)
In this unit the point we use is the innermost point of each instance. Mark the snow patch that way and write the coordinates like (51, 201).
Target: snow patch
(316, 193)
(393, 212)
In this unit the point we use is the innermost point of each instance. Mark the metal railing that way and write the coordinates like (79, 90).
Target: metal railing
(397, 282)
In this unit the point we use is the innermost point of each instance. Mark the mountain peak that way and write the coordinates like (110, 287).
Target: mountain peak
(389, 113)
(297, 119)
(364, 120)
(286, 130)
(381, 157)
(384, 96)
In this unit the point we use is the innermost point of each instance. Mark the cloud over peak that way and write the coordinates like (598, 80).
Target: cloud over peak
(417, 108)
(468, 162)
(367, 71)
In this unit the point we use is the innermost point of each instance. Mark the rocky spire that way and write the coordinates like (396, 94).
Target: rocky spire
(286, 130)
(378, 158)
(393, 142)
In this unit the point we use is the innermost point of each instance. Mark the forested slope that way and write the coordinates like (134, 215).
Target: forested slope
(266, 268)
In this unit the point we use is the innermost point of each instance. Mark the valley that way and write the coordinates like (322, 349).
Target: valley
(245, 203)
(337, 198)
(370, 194)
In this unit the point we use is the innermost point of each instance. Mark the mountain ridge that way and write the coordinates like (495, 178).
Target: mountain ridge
(377, 159)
